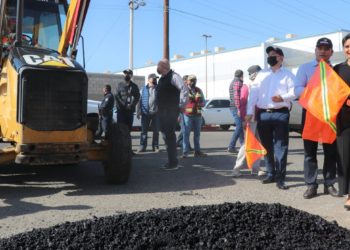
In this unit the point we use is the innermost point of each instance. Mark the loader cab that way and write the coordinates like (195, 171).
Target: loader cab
(42, 23)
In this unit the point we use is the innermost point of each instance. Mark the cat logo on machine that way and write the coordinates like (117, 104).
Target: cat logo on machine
(48, 61)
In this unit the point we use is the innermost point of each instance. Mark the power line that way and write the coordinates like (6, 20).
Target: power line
(241, 18)
(322, 11)
(109, 5)
(98, 46)
(113, 58)
(125, 9)
(259, 20)
(215, 21)
(274, 4)
(217, 28)
(308, 13)
(306, 46)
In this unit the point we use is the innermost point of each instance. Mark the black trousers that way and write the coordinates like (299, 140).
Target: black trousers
(310, 161)
(343, 146)
(105, 122)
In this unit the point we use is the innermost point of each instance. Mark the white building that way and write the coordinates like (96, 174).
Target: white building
(222, 64)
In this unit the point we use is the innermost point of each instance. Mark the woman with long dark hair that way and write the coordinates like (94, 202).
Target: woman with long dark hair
(343, 127)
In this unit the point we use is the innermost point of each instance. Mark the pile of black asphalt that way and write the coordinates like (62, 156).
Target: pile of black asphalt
(225, 226)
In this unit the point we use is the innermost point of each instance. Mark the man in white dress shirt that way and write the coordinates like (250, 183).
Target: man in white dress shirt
(272, 92)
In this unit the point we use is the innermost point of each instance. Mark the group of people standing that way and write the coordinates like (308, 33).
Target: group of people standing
(263, 104)
(161, 104)
(271, 92)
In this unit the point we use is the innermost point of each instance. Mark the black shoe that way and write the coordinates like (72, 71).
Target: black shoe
(331, 190)
(281, 185)
(310, 192)
(168, 167)
(232, 150)
(179, 146)
(164, 165)
(133, 153)
(268, 179)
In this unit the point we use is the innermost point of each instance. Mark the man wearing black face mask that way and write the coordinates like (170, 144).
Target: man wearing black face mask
(148, 110)
(193, 118)
(272, 92)
(127, 96)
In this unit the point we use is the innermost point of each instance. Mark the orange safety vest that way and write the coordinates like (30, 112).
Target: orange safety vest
(193, 108)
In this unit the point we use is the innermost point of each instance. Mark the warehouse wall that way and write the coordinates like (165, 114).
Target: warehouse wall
(97, 81)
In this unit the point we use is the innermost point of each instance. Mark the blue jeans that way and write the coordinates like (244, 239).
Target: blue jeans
(194, 122)
(179, 140)
(168, 121)
(238, 131)
(275, 126)
(145, 122)
(126, 118)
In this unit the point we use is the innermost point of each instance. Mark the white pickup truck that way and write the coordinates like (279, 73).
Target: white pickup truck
(92, 107)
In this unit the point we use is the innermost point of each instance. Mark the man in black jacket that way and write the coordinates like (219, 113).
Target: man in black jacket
(127, 96)
(169, 106)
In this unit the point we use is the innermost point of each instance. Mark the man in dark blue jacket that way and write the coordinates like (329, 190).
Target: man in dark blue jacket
(148, 110)
(106, 109)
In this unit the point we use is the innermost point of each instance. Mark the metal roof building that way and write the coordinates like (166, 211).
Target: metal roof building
(222, 64)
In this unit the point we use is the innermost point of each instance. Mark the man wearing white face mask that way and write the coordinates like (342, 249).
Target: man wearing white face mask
(272, 92)
(241, 159)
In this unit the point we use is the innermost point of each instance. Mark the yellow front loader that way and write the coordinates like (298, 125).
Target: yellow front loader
(43, 91)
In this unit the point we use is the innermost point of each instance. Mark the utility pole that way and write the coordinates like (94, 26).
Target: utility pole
(166, 30)
(131, 45)
(206, 71)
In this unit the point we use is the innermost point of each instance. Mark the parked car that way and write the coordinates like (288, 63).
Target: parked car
(216, 111)
(295, 117)
(92, 108)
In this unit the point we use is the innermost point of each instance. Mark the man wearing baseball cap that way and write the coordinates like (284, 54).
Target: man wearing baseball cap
(127, 96)
(272, 92)
(193, 118)
(256, 170)
(148, 110)
(235, 95)
(324, 50)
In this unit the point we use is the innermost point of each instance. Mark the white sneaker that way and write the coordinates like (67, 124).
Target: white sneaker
(258, 172)
(236, 172)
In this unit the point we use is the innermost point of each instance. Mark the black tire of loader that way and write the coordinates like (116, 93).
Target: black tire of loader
(118, 167)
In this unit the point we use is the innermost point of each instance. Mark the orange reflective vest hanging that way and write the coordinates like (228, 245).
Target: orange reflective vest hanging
(325, 94)
(253, 149)
(315, 130)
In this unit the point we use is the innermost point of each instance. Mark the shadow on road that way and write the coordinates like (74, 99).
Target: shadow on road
(20, 183)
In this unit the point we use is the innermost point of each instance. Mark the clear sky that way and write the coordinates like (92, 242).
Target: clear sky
(232, 24)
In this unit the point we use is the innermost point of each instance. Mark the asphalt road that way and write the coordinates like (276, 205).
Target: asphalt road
(43, 196)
